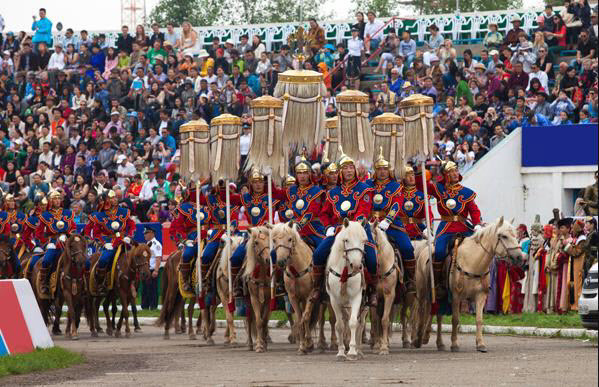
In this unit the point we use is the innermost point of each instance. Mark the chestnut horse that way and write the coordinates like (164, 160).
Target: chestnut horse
(6, 269)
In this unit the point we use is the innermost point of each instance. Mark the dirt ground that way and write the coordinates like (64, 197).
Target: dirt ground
(146, 359)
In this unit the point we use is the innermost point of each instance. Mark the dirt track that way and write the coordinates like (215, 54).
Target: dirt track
(147, 359)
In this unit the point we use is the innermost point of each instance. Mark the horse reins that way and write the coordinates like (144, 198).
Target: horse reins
(491, 253)
(345, 252)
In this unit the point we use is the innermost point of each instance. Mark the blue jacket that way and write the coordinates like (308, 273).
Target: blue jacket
(43, 31)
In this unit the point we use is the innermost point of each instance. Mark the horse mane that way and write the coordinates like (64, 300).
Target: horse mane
(250, 256)
(235, 241)
(387, 247)
(353, 231)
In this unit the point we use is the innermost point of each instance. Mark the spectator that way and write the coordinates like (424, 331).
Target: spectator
(407, 48)
(493, 39)
(498, 136)
(512, 35)
(42, 28)
(373, 33)
(558, 35)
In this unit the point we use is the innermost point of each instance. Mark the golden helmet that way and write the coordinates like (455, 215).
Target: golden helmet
(55, 194)
(448, 166)
(380, 161)
(303, 166)
(256, 176)
(328, 167)
(345, 159)
(289, 180)
(407, 170)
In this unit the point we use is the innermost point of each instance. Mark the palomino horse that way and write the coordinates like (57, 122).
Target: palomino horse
(294, 256)
(134, 261)
(468, 279)
(345, 283)
(72, 283)
(222, 286)
(257, 275)
(388, 273)
(172, 301)
(6, 268)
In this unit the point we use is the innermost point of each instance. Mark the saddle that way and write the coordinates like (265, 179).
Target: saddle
(193, 282)
(52, 285)
(109, 279)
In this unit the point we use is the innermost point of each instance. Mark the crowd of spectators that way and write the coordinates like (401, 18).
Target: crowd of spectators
(84, 116)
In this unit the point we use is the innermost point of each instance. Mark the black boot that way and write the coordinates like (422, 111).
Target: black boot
(100, 280)
(409, 266)
(317, 282)
(439, 278)
(206, 283)
(237, 291)
(371, 291)
(44, 281)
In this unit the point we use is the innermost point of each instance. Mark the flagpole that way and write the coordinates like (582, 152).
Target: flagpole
(270, 221)
(228, 245)
(199, 252)
(429, 233)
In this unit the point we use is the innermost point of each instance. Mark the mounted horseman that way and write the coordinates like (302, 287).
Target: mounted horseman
(11, 226)
(113, 226)
(351, 200)
(30, 225)
(55, 225)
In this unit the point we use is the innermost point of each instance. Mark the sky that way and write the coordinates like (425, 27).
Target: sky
(106, 14)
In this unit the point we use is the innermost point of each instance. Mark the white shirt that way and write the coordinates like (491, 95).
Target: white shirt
(127, 171)
(156, 249)
(56, 61)
(147, 192)
(244, 144)
(355, 46)
(541, 76)
(370, 29)
(46, 157)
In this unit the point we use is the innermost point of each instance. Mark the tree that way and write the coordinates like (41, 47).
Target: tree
(387, 8)
(381, 8)
(197, 12)
(273, 11)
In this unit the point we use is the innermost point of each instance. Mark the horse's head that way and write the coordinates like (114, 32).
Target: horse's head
(140, 259)
(351, 241)
(259, 244)
(284, 238)
(75, 249)
(507, 241)
(5, 247)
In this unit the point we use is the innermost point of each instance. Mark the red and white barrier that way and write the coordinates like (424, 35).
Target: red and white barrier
(22, 327)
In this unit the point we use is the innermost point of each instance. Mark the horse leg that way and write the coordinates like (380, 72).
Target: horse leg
(455, 322)
(114, 312)
(58, 303)
(257, 308)
(71, 329)
(206, 321)
(440, 345)
(385, 323)
(190, 328)
(481, 300)
(136, 327)
(250, 328)
(352, 354)
(337, 309)
(332, 321)
(405, 322)
(298, 325)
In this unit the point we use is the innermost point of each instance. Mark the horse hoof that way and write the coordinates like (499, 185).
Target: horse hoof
(333, 347)
(384, 352)
(259, 350)
(455, 348)
(128, 335)
(291, 339)
(117, 334)
(352, 357)
(137, 329)
(100, 330)
(192, 336)
(166, 337)
(441, 347)
(302, 352)
(360, 355)
(210, 341)
(109, 332)
(407, 344)
(76, 337)
(481, 348)
(341, 358)
(94, 334)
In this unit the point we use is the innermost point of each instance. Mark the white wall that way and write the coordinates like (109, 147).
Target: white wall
(506, 188)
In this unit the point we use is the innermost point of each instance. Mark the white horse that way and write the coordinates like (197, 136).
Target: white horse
(345, 282)
(468, 278)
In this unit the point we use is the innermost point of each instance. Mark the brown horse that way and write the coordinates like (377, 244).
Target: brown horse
(172, 301)
(6, 268)
(73, 283)
(133, 262)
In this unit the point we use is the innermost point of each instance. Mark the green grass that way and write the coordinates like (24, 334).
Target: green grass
(539, 320)
(39, 360)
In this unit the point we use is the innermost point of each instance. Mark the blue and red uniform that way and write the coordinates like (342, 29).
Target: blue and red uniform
(412, 211)
(304, 206)
(54, 223)
(11, 224)
(110, 227)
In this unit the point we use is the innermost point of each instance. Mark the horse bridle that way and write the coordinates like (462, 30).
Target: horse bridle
(347, 263)
(289, 249)
(492, 252)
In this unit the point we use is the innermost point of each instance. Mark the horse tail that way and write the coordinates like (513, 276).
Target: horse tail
(170, 293)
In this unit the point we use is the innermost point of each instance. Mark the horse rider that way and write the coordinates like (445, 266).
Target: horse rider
(412, 212)
(255, 203)
(329, 174)
(352, 200)
(304, 202)
(459, 214)
(185, 226)
(114, 227)
(11, 225)
(386, 204)
(282, 207)
(55, 225)
(31, 223)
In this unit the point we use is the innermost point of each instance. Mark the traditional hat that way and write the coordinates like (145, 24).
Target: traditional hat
(289, 180)
(345, 160)
(380, 161)
(54, 194)
(408, 169)
(448, 166)
(328, 166)
(255, 175)
(303, 165)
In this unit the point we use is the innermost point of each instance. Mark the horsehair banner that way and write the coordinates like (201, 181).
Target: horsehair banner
(224, 147)
(389, 134)
(195, 151)
(331, 140)
(303, 114)
(417, 112)
(267, 151)
(353, 126)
